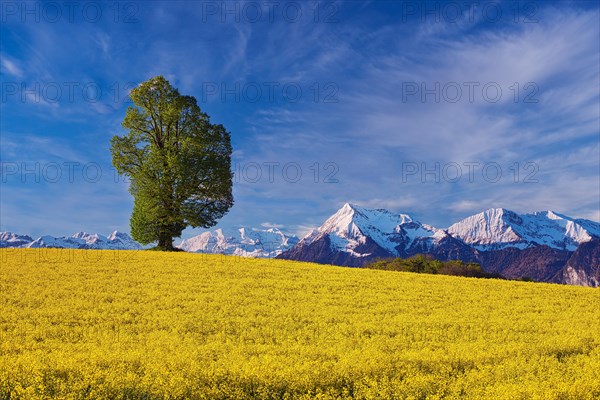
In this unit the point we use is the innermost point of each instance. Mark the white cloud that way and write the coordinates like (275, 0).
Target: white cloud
(11, 66)
(271, 225)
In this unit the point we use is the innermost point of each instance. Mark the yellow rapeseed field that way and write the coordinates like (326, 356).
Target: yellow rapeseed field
(79, 324)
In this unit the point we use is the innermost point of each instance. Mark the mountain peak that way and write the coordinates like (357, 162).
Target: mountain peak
(352, 227)
(242, 241)
(354, 209)
(498, 211)
(118, 235)
(347, 209)
(80, 235)
(89, 238)
(11, 239)
(552, 215)
(498, 228)
(350, 207)
(492, 226)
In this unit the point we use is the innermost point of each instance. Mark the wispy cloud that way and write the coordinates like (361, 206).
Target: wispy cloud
(271, 225)
(11, 67)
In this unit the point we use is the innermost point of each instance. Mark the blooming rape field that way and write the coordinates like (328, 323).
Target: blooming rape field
(79, 324)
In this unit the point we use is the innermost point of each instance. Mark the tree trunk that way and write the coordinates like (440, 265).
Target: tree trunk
(165, 242)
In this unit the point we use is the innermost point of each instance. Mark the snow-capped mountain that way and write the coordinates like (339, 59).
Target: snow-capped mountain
(498, 228)
(247, 242)
(55, 242)
(545, 245)
(355, 235)
(540, 245)
(81, 240)
(123, 241)
(352, 227)
(9, 239)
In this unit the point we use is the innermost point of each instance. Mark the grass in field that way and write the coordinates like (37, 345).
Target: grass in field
(144, 325)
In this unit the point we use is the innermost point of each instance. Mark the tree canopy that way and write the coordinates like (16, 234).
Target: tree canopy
(178, 163)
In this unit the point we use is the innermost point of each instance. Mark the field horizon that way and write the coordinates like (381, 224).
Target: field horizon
(146, 325)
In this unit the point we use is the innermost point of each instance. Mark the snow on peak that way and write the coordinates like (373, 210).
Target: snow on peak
(551, 215)
(352, 225)
(51, 241)
(89, 238)
(10, 236)
(10, 239)
(497, 228)
(84, 240)
(351, 219)
(249, 242)
(118, 235)
(493, 226)
(121, 240)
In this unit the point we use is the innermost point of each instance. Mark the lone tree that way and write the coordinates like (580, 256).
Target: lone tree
(178, 163)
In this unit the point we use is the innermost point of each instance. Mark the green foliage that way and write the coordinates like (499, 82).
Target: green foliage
(178, 162)
(425, 264)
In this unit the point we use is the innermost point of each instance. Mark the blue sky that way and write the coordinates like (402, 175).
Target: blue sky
(435, 109)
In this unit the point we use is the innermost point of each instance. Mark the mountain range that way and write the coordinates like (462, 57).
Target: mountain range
(81, 240)
(245, 242)
(545, 246)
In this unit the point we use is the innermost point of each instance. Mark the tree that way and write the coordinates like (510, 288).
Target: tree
(178, 164)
